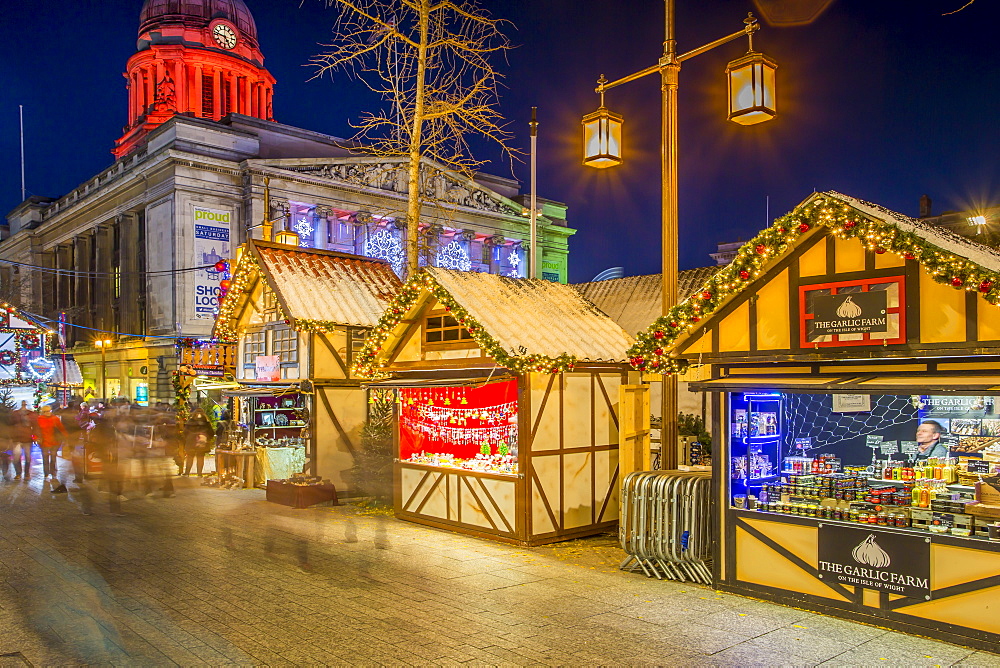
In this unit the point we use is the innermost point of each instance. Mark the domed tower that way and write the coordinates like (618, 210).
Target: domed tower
(195, 57)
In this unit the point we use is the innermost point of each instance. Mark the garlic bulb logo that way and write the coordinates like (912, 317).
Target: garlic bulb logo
(868, 552)
(849, 309)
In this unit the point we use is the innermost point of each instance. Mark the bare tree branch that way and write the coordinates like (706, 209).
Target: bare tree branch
(429, 62)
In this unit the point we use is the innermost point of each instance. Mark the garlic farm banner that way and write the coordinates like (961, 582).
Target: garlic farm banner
(212, 229)
(897, 563)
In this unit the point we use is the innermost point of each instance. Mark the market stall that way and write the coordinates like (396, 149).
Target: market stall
(506, 405)
(269, 424)
(298, 317)
(852, 356)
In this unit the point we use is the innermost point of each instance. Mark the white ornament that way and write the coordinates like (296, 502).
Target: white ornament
(514, 260)
(305, 231)
(383, 245)
(453, 256)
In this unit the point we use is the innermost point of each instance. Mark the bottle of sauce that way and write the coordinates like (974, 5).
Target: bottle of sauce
(925, 496)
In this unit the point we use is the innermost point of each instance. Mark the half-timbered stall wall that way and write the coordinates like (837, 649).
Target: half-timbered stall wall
(506, 405)
(299, 317)
(853, 359)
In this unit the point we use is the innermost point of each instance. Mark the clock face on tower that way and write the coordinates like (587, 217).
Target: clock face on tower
(224, 35)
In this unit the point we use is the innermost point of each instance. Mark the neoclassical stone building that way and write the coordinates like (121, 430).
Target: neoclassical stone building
(199, 150)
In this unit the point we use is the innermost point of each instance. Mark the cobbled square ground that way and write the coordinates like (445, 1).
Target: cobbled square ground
(216, 577)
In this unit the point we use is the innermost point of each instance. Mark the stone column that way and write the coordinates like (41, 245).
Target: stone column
(131, 99)
(181, 86)
(150, 88)
(234, 93)
(83, 252)
(104, 289)
(197, 104)
(217, 102)
(492, 243)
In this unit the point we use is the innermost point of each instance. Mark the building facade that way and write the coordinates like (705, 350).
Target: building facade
(128, 254)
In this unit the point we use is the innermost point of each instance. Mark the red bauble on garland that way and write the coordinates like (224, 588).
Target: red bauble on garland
(658, 351)
(744, 274)
(658, 334)
(986, 286)
(761, 249)
(673, 324)
(957, 281)
(706, 295)
(849, 225)
(909, 256)
(803, 228)
(879, 250)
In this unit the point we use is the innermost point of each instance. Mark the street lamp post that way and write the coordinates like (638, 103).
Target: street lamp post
(751, 101)
(103, 344)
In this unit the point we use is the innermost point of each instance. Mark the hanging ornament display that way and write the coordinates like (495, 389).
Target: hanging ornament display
(459, 427)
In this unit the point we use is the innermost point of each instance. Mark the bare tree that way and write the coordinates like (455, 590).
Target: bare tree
(429, 60)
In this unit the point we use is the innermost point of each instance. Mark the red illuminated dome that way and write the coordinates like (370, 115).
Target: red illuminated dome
(197, 13)
(195, 57)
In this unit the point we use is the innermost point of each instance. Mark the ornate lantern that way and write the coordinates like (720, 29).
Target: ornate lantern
(751, 89)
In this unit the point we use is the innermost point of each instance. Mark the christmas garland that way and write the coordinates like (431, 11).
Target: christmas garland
(182, 393)
(369, 365)
(651, 351)
(244, 273)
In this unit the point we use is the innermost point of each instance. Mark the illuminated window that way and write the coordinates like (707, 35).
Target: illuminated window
(355, 342)
(254, 344)
(445, 329)
(285, 344)
(270, 306)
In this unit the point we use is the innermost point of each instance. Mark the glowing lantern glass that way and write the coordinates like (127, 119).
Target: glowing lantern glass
(286, 237)
(602, 139)
(751, 89)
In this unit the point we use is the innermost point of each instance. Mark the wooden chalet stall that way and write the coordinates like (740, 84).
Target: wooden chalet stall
(299, 317)
(507, 405)
(828, 341)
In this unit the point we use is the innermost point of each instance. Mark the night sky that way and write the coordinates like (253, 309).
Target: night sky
(883, 100)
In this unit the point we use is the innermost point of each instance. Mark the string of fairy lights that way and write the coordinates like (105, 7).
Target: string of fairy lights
(652, 350)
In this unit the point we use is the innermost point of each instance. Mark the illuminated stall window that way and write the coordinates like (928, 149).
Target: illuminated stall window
(460, 427)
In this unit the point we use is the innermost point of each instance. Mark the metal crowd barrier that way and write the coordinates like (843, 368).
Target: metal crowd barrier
(665, 524)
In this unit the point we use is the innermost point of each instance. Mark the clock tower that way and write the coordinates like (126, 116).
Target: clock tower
(194, 57)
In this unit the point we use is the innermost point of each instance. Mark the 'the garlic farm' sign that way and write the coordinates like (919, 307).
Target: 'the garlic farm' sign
(849, 313)
(888, 561)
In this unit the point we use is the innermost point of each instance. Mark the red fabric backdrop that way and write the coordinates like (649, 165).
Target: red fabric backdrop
(451, 437)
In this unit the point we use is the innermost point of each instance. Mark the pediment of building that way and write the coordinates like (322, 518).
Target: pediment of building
(440, 185)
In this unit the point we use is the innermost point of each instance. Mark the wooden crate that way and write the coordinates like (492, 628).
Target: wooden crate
(923, 518)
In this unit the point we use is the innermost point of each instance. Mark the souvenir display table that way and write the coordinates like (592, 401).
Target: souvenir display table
(279, 463)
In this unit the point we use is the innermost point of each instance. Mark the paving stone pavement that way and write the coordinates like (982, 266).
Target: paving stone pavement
(215, 577)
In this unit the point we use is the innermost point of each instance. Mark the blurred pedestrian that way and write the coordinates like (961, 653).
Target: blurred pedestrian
(198, 436)
(51, 434)
(22, 430)
(6, 443)
(167, 440)
(74, 435)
